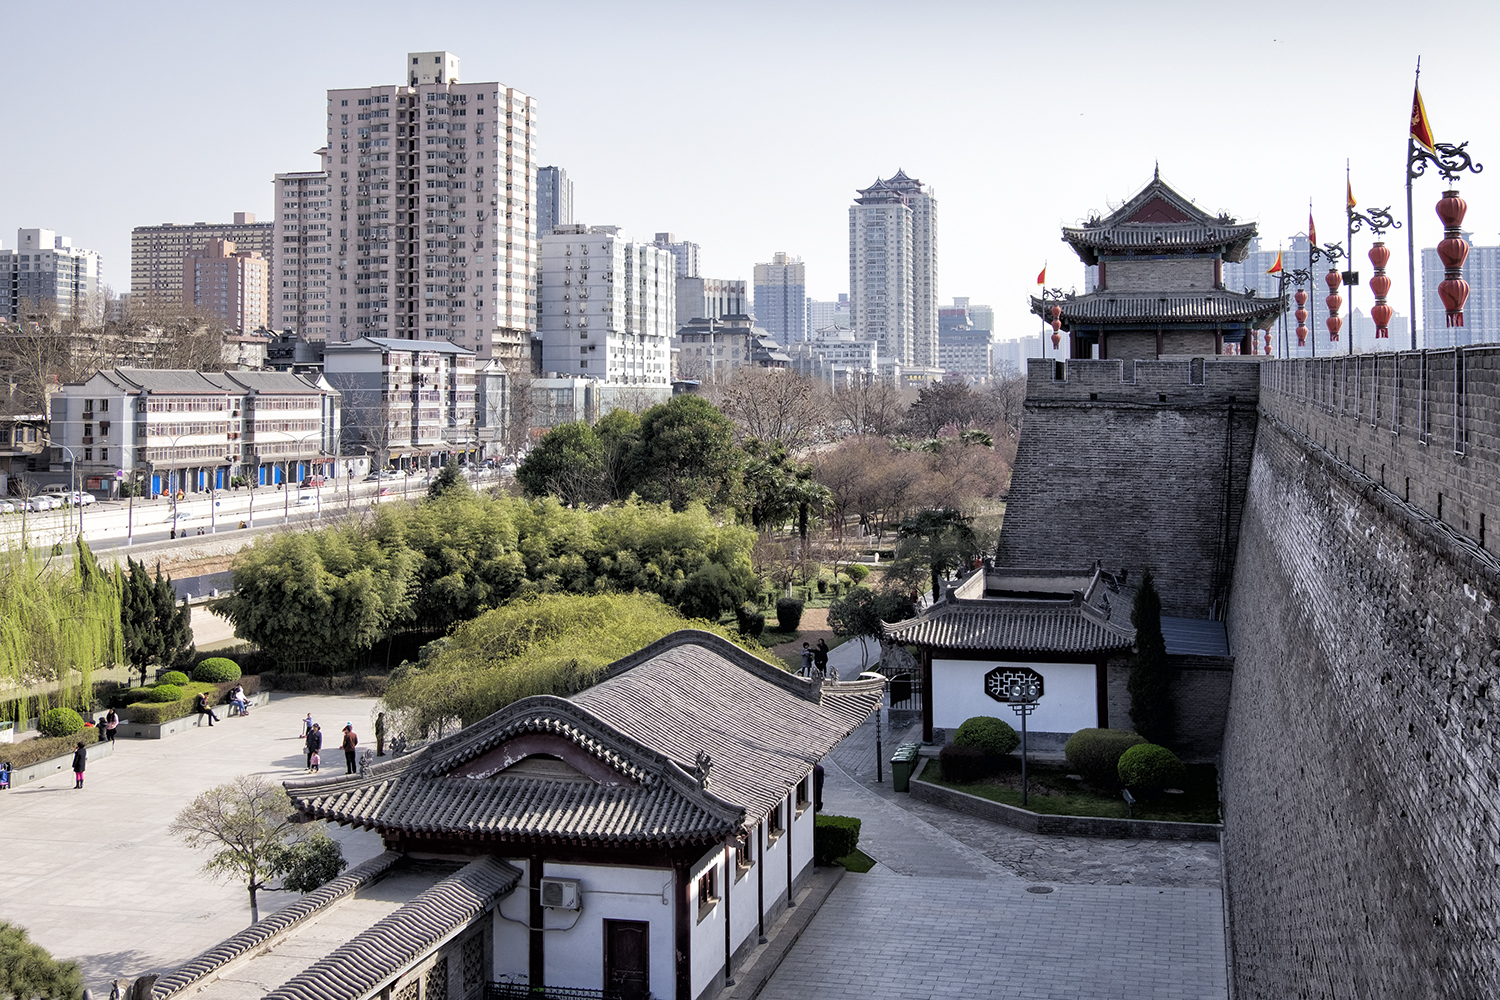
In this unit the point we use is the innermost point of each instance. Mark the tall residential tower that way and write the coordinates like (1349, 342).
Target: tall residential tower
(893, 272)
(47, 277)
(554, 200)
(781, 298)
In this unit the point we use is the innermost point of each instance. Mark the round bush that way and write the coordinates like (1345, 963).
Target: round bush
(216, 670)
(994, 736)
(857, 572)
(173, 677)
(1147, 767)
(60, 722)
(164, 692)
(788, 614)
(1095, 753)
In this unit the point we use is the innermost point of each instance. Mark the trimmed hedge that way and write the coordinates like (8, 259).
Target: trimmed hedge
(173, 677)
(857, 572)
(834, 837)
(42, 748)
(1149, 768)
(154, 713)
(164, 692)
(217, 670)
(994, 736)
(964, 765)
(789, 616)
(60, 722)
(1095, 753)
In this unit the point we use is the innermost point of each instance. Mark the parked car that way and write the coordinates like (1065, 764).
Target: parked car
(82, 498)
(56, 489)
(310, 481)
(39, 504)
(6, 507)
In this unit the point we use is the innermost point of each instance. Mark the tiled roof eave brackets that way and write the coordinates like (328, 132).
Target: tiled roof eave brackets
(1098, 308)
(1075, 630)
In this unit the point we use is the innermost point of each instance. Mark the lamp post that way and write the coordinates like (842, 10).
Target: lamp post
(1378, 220)
(1052, 316)
(1024, 692)
(1333, 253)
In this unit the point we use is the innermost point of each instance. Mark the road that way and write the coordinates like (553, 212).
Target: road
(109, 523)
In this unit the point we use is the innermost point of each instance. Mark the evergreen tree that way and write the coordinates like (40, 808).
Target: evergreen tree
(1151, 676)
(449, 482)
(156, 630)
(27, 972)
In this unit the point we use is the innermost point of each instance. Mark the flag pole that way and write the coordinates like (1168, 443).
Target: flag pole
(1349, 242)
(1411, 230)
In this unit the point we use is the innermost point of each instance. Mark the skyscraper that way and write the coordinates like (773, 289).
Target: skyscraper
(157, 253)
(554, 199)
(435, 236)
(685, 252)
(893, 272)
(302, 260)
(781, 298)
(47, 277)
(821, 315)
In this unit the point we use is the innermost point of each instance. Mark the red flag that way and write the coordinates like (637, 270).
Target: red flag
(1312, 230)
(1041, 279)
(1350, 186)
(1421, 128)
(1276, 267)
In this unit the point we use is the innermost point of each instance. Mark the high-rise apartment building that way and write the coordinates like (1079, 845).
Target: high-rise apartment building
(822, 315)
(434, 202)
(47, 277)
(893, 272)
(227, 283)
(711, 298)
(685, 252)
(1481, 311)
(607, 308)
(554, 199)
(157, 253)
(781, 298)
(302, 260)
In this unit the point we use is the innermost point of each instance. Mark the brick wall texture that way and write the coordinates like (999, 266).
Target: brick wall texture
(1360, 769)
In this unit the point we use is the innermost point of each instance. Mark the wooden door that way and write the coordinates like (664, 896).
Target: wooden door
(627, 958)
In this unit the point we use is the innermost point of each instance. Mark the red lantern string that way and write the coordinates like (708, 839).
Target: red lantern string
(1380, 284)
(1335, 302)
(1453, 250)
(1301, 315)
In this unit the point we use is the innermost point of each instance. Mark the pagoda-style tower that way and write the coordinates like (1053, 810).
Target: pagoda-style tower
(1161, 282)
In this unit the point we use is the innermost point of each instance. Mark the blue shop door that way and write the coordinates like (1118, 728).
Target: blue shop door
(220, 475)
(155, 484)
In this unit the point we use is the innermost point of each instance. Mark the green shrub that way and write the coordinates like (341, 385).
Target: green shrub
(788, 615)
(60, 722)
(216, 670)
(964, 765)
(42, 748)
(822, 585)
(173, 677)
(994, 736)
(164, 692)
(1095, 753)
(857, 572)
(834, 837)
(1149, 768)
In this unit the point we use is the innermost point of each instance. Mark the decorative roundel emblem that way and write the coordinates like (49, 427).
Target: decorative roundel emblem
(1001, 684)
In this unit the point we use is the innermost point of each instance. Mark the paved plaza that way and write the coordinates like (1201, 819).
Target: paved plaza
(93, 875)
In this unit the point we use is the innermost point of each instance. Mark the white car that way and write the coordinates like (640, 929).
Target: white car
(179, 520)
(6, 507)
(81, 498)
(38, 504)
(306, 499)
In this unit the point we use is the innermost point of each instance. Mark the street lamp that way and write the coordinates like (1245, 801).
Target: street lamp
(1024, 693)
(1379, 220)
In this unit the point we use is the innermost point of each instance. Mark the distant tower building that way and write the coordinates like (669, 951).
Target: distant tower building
(435, 235)
(607, 306)
(47, 277)
(226, 283)
(554, 199)
(685, 252)
(1481, 311)
(893, 272)
(300, 286)
(823, 315)
(781, 298)
(157, 253)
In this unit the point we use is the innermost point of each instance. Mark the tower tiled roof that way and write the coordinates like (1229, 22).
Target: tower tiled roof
(1158, 220)
(1153, 307)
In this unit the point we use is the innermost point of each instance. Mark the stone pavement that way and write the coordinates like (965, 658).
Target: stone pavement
(94, 876)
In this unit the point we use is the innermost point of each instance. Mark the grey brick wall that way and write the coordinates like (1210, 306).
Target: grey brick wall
(1360, 771)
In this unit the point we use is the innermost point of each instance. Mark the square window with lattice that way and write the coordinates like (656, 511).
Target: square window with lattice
(473, 964)
(437, 980)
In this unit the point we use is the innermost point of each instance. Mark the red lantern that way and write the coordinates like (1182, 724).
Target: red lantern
(1335, 302)
(1056, 312)
(1301, 314)
(1300, 297)
(1056, 340)
(1380, 284)
(1301, 335)
(1453, 250)
(1268, 343)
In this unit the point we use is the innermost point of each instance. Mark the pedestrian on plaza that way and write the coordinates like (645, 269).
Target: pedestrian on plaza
(237, 701)
(307, 726)
(80, 761)
(807, 660)
(4, 776)
(314, 743)
(820, 657)
(205, 707)
(350, 742)
(110, 722)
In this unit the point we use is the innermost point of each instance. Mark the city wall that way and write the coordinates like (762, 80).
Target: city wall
(1360, 774)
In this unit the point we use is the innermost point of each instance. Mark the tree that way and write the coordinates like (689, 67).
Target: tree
(860, 615)
(935, 541)
(449, 483)
(619, 434)
(775, 405)
(568, 463)
(943, 404)
(686, 454)
(1151, 675)
(155, 629)
(247, 823)
(869, 406)
(28, 972)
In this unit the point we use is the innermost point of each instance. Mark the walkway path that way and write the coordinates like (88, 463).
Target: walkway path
(94, 876)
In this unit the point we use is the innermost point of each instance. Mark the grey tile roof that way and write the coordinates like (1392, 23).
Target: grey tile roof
(1197, 230)
(283, 383)
(647, 720)
(254, 937)
(1021, 626)
(396, 942)
(403, 344)
(171, 380)
(1153, 307)
(1194, 637)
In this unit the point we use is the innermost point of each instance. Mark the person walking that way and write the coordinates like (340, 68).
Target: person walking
(820, 657)
(314, 743)
(110, 722)
(350, 742)
(80, 761)
(205, 707)
(307, 726)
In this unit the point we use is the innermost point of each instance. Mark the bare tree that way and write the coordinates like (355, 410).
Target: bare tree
(774, 405)
(870, 406)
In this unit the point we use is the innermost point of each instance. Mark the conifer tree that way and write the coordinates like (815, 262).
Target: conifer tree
(1151, 676)
(156, 629)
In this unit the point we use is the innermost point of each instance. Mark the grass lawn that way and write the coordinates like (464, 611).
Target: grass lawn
(857, 861)
(1054, 793)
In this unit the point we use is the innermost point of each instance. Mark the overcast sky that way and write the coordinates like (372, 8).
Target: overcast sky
(746, 128)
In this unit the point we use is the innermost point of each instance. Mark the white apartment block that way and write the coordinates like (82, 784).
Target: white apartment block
(228, 284)
(685, 253)
(302, 258)
(821, 315)
(608, 306)
(405, 404)
(893, 272)
(712, 298)
(434, 235)
(157, 253)
(834, 355)
(46, 276)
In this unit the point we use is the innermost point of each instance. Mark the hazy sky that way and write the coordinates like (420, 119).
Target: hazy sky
(747, 127)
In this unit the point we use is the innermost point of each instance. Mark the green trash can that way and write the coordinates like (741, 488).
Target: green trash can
(903, 763)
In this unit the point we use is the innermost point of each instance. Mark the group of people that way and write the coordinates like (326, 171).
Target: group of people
(815, 657)
(239, 704)
(312, 736)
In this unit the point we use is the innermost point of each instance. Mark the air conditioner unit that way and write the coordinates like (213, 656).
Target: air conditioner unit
(561, 893)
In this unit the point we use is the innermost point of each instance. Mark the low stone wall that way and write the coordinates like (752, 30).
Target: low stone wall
(141, 731)
(1065, 826)
(47, 768)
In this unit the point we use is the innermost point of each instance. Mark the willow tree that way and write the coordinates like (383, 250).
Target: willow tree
(58, 621)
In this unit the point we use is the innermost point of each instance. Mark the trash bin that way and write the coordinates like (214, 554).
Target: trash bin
(903, 763)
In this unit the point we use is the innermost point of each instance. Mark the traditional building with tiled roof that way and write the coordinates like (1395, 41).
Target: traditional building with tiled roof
(1160, 288)
(636, 837)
